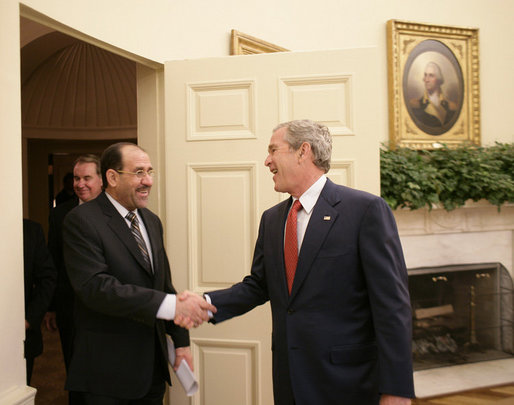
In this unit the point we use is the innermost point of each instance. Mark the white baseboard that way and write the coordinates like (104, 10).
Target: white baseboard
(18, 395)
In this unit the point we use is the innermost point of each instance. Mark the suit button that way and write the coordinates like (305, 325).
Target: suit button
(290, 311)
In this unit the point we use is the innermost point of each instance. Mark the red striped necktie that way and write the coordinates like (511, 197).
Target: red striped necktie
(136, 232)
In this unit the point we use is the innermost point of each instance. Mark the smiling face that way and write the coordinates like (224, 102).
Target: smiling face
(87, 183)
(283, 162)
(129, 190)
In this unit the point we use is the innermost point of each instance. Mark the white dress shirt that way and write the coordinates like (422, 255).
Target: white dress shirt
(308, 201)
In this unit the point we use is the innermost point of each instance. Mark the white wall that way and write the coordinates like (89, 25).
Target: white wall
(12, 332)
(164, 30)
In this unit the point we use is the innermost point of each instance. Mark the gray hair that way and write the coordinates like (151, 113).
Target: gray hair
(438, 73)
(315, 134)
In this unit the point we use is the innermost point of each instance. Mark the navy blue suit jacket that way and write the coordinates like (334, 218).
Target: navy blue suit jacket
(343, 336)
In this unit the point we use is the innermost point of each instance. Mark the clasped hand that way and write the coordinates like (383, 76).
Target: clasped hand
(191, 310)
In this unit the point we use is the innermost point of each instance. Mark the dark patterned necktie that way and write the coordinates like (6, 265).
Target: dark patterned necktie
(136, 231)
(291, 244)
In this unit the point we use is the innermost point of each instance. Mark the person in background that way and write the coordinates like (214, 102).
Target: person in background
(67, 192)
(87, 185)
(40, 278)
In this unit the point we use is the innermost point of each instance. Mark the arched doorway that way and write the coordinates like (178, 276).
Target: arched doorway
(76, 99)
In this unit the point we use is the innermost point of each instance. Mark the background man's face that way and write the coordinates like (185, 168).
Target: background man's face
(86, 181)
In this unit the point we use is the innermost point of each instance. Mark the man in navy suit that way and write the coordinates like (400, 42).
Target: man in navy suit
(125, 301)
(342, 321)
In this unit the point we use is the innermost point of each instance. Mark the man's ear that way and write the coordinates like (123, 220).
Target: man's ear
(112, 178)
(304, 149)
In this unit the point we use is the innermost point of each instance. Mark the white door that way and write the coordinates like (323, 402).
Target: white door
(219, 116)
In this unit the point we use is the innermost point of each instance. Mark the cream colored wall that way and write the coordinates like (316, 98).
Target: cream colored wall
(12, 332)
(165, 30)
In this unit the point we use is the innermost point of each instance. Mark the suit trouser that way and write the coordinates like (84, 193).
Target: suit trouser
(30, 366)
(154, 396)
(64, 315)
(64, 318)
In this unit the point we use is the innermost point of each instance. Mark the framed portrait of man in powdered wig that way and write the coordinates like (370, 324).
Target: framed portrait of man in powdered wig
(433, 85)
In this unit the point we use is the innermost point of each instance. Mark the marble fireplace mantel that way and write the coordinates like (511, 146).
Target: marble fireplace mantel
(475, 233)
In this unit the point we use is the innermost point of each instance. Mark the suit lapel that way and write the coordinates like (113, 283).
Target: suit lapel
(121, 229)
(323, 217)
(277, 226)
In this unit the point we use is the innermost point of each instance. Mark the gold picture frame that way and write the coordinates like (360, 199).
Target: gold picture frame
(244, 44)
(433, 78)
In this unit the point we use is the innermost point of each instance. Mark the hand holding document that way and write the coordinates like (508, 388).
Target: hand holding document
(184, 374)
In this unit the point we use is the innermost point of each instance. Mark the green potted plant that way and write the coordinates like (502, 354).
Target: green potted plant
(447, 176)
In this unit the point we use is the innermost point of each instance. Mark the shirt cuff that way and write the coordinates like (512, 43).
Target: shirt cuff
(208, 299)
(167, 309)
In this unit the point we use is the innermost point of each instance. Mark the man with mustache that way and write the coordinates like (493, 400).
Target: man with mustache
(117, 265)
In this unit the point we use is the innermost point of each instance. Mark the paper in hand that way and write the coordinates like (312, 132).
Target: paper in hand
(184, 373)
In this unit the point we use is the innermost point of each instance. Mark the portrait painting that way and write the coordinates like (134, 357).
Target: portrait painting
(433, 85)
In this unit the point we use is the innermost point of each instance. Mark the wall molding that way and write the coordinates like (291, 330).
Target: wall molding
(18, 395)
(478, 216)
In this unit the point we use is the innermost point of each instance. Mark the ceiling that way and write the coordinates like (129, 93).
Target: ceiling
(72, 89)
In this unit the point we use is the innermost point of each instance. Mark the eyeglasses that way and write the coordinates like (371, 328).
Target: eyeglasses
(140, 173)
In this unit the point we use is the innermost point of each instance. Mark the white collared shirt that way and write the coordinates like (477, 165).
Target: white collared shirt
(123, 212)
(308, 201)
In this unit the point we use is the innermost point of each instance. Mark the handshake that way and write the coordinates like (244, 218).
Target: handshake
(192, 310)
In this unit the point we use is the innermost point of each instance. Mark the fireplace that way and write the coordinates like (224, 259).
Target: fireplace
(461, 314)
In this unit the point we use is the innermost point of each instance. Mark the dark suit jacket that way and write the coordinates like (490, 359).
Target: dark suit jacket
(117, 332)
(40, 278)
(344, 334)
(63, 297)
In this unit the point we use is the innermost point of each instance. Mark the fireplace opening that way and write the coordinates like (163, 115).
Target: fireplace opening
(461, 314)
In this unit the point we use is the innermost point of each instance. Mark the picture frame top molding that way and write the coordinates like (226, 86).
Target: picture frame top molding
(244, 44)
(433, 29)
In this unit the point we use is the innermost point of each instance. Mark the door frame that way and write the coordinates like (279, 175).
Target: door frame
(150, 122)
(150, 101)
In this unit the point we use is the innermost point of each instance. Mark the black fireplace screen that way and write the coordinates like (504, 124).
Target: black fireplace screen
(461, 314)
